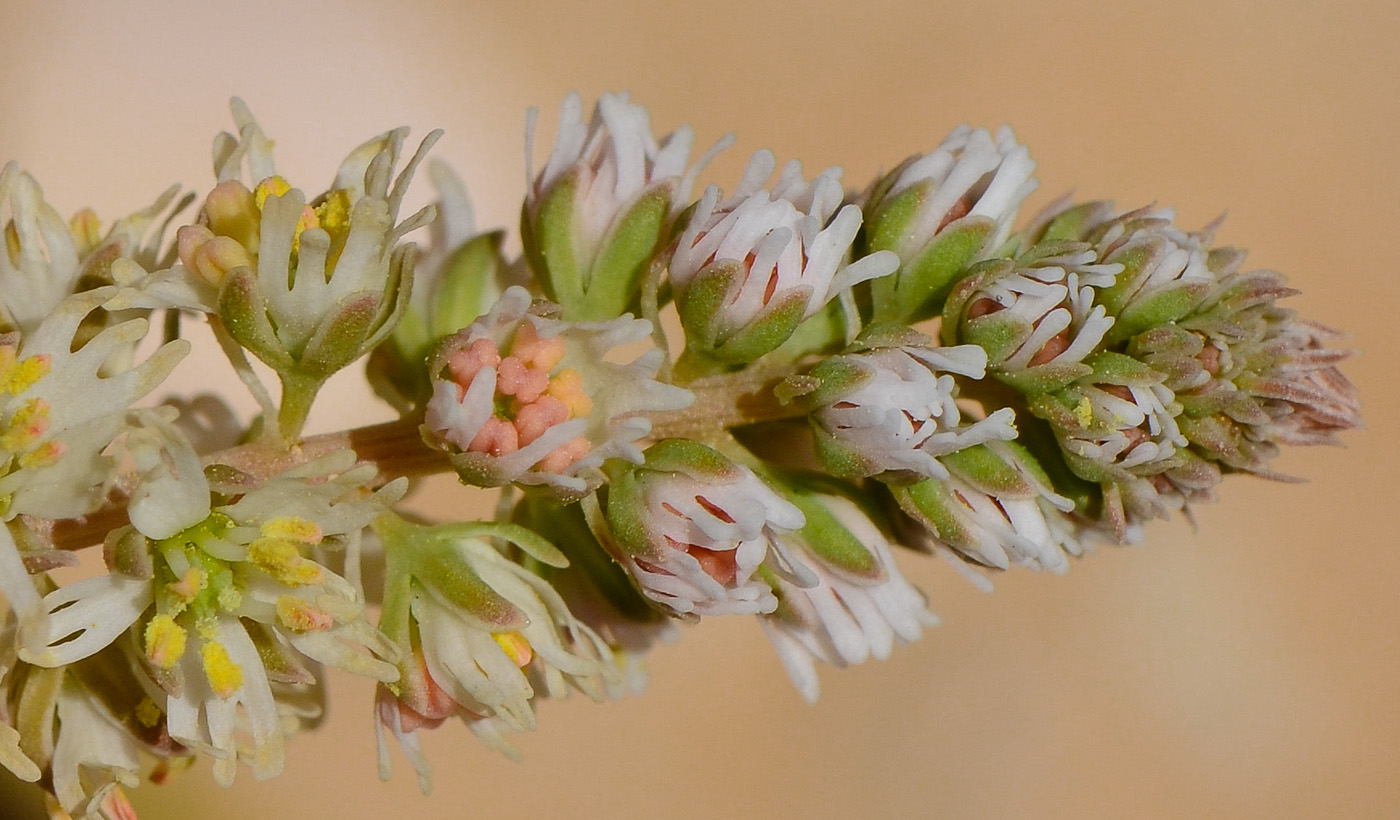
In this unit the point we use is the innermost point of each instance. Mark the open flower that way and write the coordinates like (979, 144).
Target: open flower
(892, 411)
(1036, 317)
(858, 607)
(997, 509)
(521, 397)
(57, 418)
(226, 594)
(47, 258)
(693, 528)
(309, 284)
(942, 211)
(749, 270)
(481, 636)
(91, 727)
(594, 216)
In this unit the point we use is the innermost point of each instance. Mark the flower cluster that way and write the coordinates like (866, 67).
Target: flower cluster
(858, 376)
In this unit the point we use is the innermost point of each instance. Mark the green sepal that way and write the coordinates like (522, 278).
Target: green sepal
(243, 311)
(839, 457)
(836, 377)
(549, 241)
(1047, 459)
(615, 280)
(1000, 334)
(918, 289)
(465, 289)
(589, 561)
(1073, 224)
(626, 516)
(340, 337)
(766, 333)
(699, 461)
(1116, 368)
(531, 543)
(703, 298)
(1156, 309)
(988, 472)
(829, 540)
(423, 556)
(1044, 378)
(931, 503)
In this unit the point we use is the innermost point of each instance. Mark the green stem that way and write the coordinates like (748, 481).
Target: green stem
(298, 394)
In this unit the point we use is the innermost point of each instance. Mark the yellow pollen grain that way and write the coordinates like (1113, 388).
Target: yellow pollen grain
(272, 186)
(515, 646)
(28, 423)
(21, 375)
(190, 585)
(1084, 412)
(165, 641)
(147, 713)
(333, 215)
(300, 616)
(230, 599)
(282, 560)
(225, 676)
(41, 456)
(292, 528)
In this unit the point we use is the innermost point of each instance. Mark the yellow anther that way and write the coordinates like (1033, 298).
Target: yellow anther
(567, 386)
(41, 456)
(165, 642)
(272, 186)
(18, 375)
(300, 616)
(12, 242)
(292, 528)
(147, 713)
(1084, 412)
(333, 215)
(283, 561)
(515, 646)
(215, 258)
(230, 599)
(25, 427)
(225, 676)
(86, 229)
(190, 585)
(230, 210)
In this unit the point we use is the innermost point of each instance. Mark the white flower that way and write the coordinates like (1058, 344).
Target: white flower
(92, 756)
(693, 528)
(896, 410)
(307, 284)
(482, 636)
(969, 174)
(57, 417)
(995, 511)
(783, 252)
(615, 158)
(845, 618)
(519, 397)
(1049, 305)
(46, 256)
(232, 601)
(1130, 426)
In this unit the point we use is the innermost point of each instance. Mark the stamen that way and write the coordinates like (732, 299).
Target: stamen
(225, 676)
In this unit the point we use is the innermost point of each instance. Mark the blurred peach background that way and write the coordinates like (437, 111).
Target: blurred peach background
(1247, 668)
